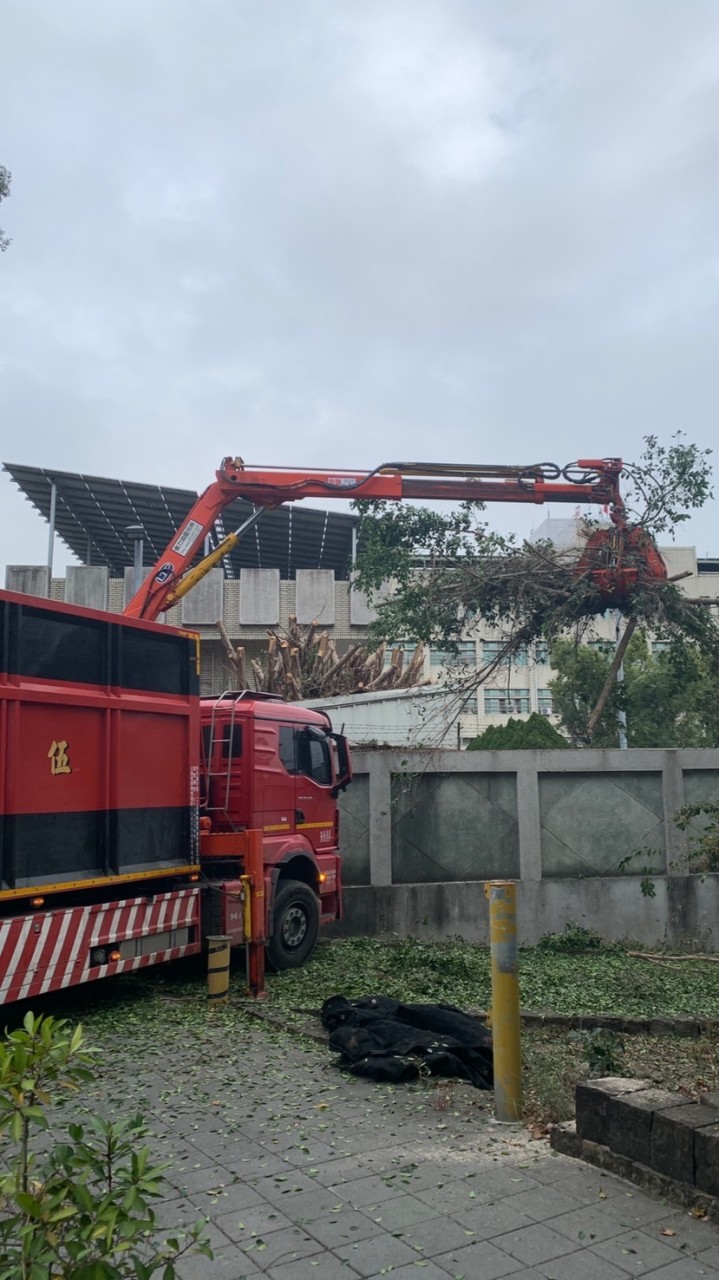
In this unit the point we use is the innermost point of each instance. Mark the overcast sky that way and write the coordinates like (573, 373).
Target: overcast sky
(341, 232)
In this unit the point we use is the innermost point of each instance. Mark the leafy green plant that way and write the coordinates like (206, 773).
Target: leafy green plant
(604, 1050)
(534, 733)
(78, 1208)
(651, 866)
(702, 855)
(575, 940)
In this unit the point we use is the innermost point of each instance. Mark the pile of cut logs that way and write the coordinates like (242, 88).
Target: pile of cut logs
(303, 662)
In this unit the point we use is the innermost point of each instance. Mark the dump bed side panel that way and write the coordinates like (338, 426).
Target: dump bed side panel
(99, 746)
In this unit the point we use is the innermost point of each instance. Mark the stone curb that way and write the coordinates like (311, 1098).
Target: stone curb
(663, 1140)
(564, 1140)
(683, 1025)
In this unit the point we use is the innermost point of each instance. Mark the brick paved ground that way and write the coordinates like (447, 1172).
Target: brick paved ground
(306, 1174)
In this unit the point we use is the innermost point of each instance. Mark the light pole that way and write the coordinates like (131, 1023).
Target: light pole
(137, 531)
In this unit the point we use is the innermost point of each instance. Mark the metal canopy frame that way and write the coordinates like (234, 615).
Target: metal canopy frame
(92, 515)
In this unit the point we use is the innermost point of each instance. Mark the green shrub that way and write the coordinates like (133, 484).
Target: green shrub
(533, 734)
(576, 940)
(79, 1208)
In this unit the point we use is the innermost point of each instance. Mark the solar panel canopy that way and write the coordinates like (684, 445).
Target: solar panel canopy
(97, 518)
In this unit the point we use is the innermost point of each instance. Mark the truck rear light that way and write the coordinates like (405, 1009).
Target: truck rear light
(37, 902)
(104, 955)
(322, 877)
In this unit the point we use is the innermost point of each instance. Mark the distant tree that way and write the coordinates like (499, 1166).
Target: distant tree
(5, 180)
(533, 734)
(670, 699)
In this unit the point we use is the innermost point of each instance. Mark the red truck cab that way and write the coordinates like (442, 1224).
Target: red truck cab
(278, 768)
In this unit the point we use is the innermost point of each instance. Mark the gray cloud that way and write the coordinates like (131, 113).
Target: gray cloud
(329, 233)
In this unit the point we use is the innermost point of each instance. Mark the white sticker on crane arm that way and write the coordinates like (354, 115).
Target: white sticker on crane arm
(188, 538)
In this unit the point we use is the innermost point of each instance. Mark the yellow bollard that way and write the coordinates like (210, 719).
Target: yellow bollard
(502, 895)
(218, 968)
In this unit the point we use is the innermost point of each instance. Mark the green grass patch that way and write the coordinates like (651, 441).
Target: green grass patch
(595, 981)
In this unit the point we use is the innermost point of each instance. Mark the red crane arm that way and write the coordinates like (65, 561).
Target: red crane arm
(587, 481)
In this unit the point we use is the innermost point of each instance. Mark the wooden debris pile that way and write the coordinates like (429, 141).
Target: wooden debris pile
(303, 662)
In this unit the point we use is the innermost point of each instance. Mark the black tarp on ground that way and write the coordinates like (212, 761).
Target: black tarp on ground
(385, 1040)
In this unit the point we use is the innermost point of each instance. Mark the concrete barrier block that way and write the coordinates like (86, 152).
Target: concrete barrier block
(87, 585)
(592, 1105)
(672, 1141)
(706, 1159)
(28, 579)
(629, 1122)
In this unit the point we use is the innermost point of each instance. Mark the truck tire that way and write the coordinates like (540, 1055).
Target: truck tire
(295, 925)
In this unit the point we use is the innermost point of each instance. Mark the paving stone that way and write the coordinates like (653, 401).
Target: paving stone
(635, 1252)
(399, 1212)
(589, 1185)
(637, 1209)
(551, 1167)
(346, 1227)
(238, 1195)
(709, 1256)
(481, 1261)
(685, 1269)
(451, 1197)
(308, 1205)
(370, 1190)
(428, 1271)
(691, 1234)
(490, 1220)
(368, 1257)
(535, 1244)
(283, 1186)
(241, 1226)
(280, 1247)
(326, 1267)
(438, 1235)
(542, 1203)
(230, 1264)
(580, 1266)
(589, 1224)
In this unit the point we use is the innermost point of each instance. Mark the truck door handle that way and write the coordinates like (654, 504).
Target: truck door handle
(299, 815)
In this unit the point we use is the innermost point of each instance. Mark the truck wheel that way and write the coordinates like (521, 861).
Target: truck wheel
(296, 923)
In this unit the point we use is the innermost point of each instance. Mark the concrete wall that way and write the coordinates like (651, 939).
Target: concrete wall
(422, 831)
(28, 579)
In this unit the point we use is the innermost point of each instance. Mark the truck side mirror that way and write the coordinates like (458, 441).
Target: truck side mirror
(344, 763)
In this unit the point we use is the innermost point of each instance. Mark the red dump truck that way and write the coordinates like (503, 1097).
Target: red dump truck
(129, 806)
(137, 819)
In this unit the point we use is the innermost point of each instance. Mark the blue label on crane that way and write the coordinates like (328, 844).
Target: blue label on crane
(165, 573)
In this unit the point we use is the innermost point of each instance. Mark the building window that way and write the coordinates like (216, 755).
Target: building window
(408, 648)
(506, 702)
(541, 653)
(544, 702)
(491, 650)
(470, 707)
(661, 646)
(465, 656)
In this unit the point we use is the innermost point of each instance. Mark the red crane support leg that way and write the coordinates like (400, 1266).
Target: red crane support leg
(255, 869)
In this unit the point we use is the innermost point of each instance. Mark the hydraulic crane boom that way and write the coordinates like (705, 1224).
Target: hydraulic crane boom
(594, 481)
